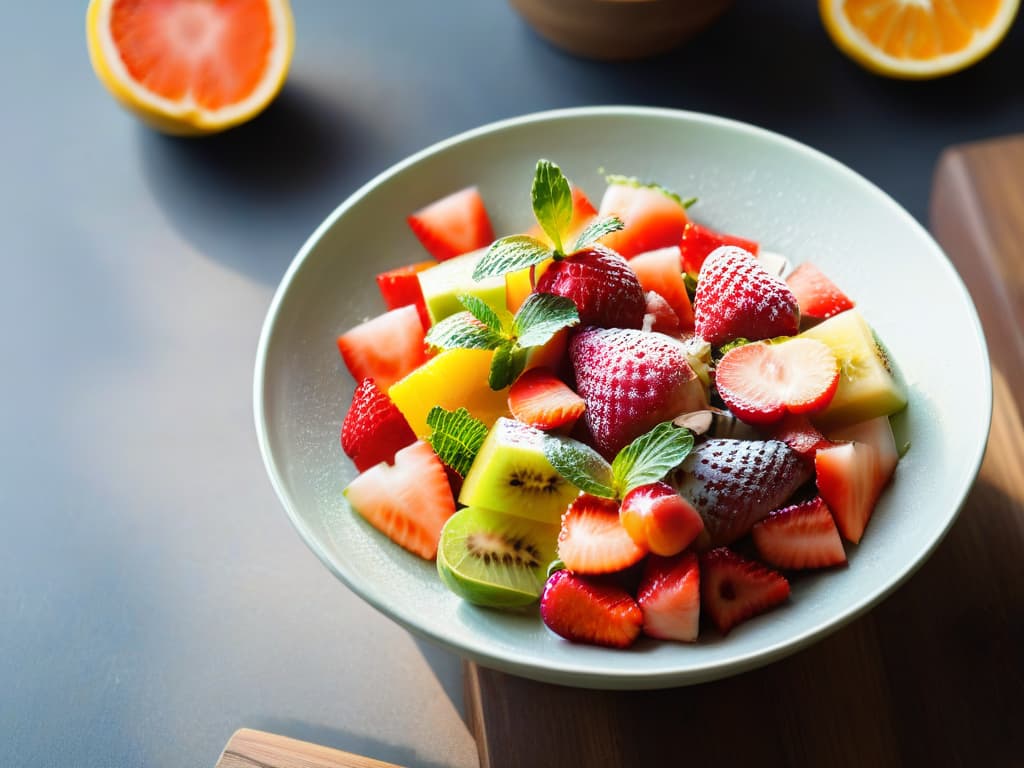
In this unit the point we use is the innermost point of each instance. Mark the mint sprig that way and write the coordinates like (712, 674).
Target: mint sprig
(597, 229)
(510, 254)
(645, 460)
(455, 436)
(540, 317)
(552, 201)
(633, 181)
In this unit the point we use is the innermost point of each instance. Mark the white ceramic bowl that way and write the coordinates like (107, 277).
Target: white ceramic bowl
(794, 200)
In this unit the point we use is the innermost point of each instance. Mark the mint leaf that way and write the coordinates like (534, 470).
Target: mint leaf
(580, 464)
(633, 181)
(506, 365)
(552, 201)
(650, 457)
(597, 229)
(482, 311)
(455, 436)
(510, 254)
(541, 316)
(462, 331)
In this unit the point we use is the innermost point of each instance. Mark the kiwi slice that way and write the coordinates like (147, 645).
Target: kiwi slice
(496, 560)
(511, 474)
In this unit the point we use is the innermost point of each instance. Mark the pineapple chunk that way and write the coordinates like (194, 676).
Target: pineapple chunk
(867, 388)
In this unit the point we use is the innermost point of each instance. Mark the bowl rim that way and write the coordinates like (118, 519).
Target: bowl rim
(582, 674)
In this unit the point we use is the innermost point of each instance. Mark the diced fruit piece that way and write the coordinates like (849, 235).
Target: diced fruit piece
(736, 298)
(660, 271)
(797, 431)
(601, 285)
(799, 536)
(657, 518)
(867, 387)
(492, 559)
(542, 400)
(582, 212)
(734, 589)
(518, 285)
(669, 597)
(698, 242)
(385, 348)
(408, 502)
(851, 476)
(819, 298)
(399, 287)
(736, 483)
(587, 611)
(373, 430)
(453, 225)
(659, 316)
(762, 382)
(653, 219)
(592, 539)
(456, 378)
(631, 381)
(511, 474)
(552, 355)
(443, 283)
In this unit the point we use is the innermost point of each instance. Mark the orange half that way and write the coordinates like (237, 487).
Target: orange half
(191, 66)
(917, 39)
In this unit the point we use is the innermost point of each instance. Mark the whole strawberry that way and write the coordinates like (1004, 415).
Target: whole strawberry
(601, 284)
(631, 381)
(737, 298)
(374, 429)
(736, 483)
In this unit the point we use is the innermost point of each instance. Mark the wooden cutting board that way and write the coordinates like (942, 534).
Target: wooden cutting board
(932, 676)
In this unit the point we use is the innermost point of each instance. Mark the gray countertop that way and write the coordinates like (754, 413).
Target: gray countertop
(155, 597)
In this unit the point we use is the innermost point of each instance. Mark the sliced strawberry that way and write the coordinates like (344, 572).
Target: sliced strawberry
(852, 476)
(659, 271)
(669, 597)
(408, 502)
(453, 225)
(400, 288)
(586, 611)
(797, 431)
(385, 348)
(542, 400)
(736, 483)
(737, 298)
(657, 518)
(697, 242)
(762, 382)
(592, 539)
(653, 219)
(819, 298)
(631, 382)
(374, 429)
(601, 285)
(734, 589)
(799, 536)
(659, 316)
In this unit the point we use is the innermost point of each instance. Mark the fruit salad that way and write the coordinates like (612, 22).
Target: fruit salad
(640, 424)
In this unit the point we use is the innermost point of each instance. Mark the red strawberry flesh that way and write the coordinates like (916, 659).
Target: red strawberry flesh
(631, 381)
(736, 483)
(542, 400)
(819, 298)
(384, 348)
(657, 518)
(800, 536)
(669, 597)
(698, 241)
(734, 589)
(600, 283)
(593, 541)
(586, 611)
(453, 225)
(762, 382)
(797, 431)
(737, 298)
(374, 429)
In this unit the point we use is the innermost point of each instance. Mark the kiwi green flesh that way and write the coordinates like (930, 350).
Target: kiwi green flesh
(496, 560)
(511, 474)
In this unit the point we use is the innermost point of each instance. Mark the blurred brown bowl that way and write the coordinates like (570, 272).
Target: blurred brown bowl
(619, 29)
